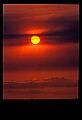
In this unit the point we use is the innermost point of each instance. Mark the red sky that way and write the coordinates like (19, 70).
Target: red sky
(57, 55)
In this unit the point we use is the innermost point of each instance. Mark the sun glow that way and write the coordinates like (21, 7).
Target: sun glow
(35, 39)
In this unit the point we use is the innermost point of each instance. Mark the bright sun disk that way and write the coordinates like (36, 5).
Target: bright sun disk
(35, 39)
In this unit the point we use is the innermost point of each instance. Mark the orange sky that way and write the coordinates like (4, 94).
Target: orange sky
(57, 54)
(39, 59)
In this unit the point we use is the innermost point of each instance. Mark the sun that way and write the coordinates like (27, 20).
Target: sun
(35, 39)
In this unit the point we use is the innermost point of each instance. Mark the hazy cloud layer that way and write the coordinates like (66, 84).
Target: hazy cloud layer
(60, 22)
(58, 91)
(68, 30)
(48, 88)
(51, 82)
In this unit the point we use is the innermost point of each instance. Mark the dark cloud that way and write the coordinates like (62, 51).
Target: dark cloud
(12, 24)
(68, 32)
(51, 82)
(19, 23)
(16, 40)
(68, 35)
(68, 29)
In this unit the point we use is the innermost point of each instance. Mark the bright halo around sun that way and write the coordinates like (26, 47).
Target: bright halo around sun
(35, 39)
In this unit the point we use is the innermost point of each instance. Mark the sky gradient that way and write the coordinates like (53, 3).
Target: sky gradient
(49, 69)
